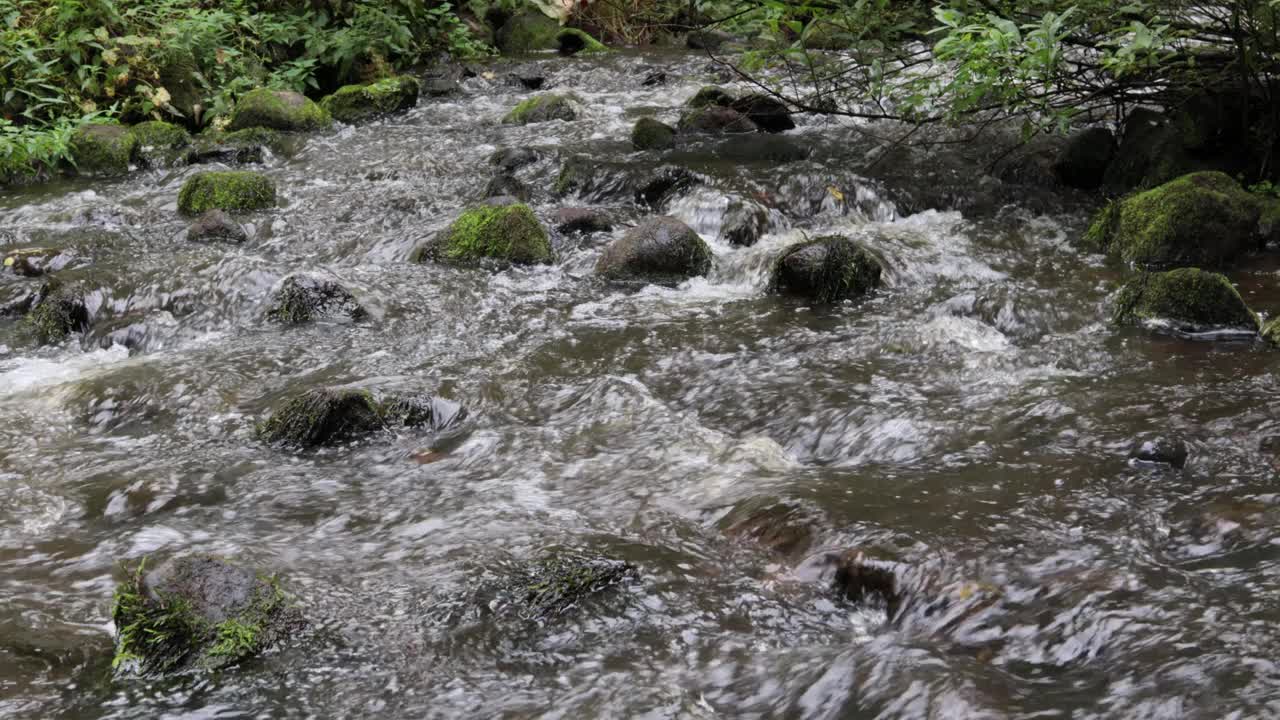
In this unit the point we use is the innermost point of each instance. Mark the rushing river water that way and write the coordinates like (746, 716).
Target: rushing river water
(971, 420)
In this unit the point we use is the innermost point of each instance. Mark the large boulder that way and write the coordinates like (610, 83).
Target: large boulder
(160, 144)
(502, 233)
(716, 119)
(1084, 158)
(826, 269)
(542, 108)
(102, 150)
(527, 32)
(357, 103)
(1150, 153)
(1187, 300)
(324, 417)
(661, 250)
(303, 298)
(229, 190)
(278, 110)
(197, 611)
(651, 134)
(1204, 218)
(769, 114)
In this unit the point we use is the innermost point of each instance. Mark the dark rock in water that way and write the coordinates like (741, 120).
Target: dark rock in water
(1189, 299)
(325, 417)
(571, 41)
(34, 262)
(785, 528)
(512, 159)
(762, 149)
(130, 332)
(769, 114)
(654, 78)
(744, 223)
(421, 411)
(526, 32)
(707, 39)
(650, 134)
(827, 269)
(605, 181)
(529, 77)
(358, 103)
(302, 298)
(661, 250)
(581, 220)
(160, 144)
(710, 95)
(716, 119)
(562, 582)
(501, 232)
(198, 611)
(655, 188)
(1203, 218)
(216, 226)
(1161, 451)
(1085, 157)
(542, 108)
(57, 310)
(1150, 153)
(278, 110)
(102, 150)
(506, 185)
(860, 579)
(214, 147)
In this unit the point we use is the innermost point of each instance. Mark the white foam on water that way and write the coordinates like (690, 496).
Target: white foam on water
(21, 375)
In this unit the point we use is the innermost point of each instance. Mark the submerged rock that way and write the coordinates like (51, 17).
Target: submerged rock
(826, 269)
(581, 220)
(785, 528)
(57, 310)
(102, 150)
(562, 582)
(228, 190)
(1199, 219)
(320, 418)
(661, 250)
(357, 103)
(160, 143)
(1161, 451)
(710, 95)
(1191, 300)
(197, 611)
(542, 108)
(413, 411)
(1084, 159)
(769, 114)
(216, 226)
(35, 262)
(303, 298)
(716, 119)
(506, 233)
(278, 110)
(650, 134)
(858, 578)
(571, 41)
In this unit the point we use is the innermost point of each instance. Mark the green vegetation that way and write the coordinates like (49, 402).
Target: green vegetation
(1191, 298)
(503, 233)
(542, 108)
(354, 103)
(232, 190)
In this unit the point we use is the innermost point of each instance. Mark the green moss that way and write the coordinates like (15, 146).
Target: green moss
(649, 134)
(1271, 331)
(710, 95)
(827, 269)
(160, 135)
(1189, 297)
(572, 41)
(355, 103)
(507, 233)
(59, 310)
(562, 582)
(232, 190)
(266, 137)
(1101, 231)
(278, 110)
(103, 150)
(541, 108)
(322, 417)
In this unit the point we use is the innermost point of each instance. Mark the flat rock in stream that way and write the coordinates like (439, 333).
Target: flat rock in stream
(660, 250)
(826, 269)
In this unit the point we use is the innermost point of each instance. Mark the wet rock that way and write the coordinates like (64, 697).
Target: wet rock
(571, 41)
(230, 190)
(414, 411)
(527, 32)
(744, 223)
(762, 149)
(57, 310)
(278, 110)
(322, 418)
(359, 103)
(506, 185)
(102, 150)
(769, 114)
(562, 582)
(1188, 299)
(656, 187)
(581, 220)
(785, 528)
(504, 233)
(1199, 219)
(650, 134)
(34, 262)
(858, 578)
(603, 181)
(198, 611)
(710, 95)
(1169, 451)
(716, 119)
(529, 77)
(826, 269)
(240, 147)
(1271, 332)
(542, 108)
(438, 86)
(303, 298)
(654, 79)
(1150, 153)
(511, 159)
(216, 226)
(661, 250)
(160, 144)
(1084, 159)
(707, 39)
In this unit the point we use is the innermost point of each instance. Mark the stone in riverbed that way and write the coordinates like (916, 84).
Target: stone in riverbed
(527, 32)
(1191, 300)
(857, 578)
(34, 262)
(160, 144)
(511, 159)
(716, 119)
(278, 110)
(650, 134)
(357, 103)
(769, 114)
(102, 150)
(707, 39)
(216, 226)
(660, 250)
(507, 185)
(710, 95)
(744, 223)
(1169, 451)
(571, 41)
(581, 220)
(785, 528)
(562, 582)
(57, 310)
(324, 417)
(542, 108)
(303, 298)
(1083, 160)
(506, 233)
(197, 611)
(826, 269)
(229, 190)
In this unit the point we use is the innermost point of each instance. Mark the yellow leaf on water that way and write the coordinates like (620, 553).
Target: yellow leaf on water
(835, 193)
(8, 262)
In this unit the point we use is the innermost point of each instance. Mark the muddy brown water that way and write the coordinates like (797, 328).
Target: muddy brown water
(970, 420)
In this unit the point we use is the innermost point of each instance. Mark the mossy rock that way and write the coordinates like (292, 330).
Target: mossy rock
(563, 581)
(661, 250)
(278, 110)
(542, 108)
(1199, 219)
(1150, 153)
(1190, 299)
(527, 32)
(1271, 331)
(228, 190)
(710, 95)
(826, 269)
(650, 134)
(198, 612)
(716, 119)
(357, 103)
(241, 146)
(178, 75)
(103, 150)
(826, 35)
(502, 233)
(58, 310)
(320, 418)
(160, 143)
(768, 113)
(571, 41)
(302, 298)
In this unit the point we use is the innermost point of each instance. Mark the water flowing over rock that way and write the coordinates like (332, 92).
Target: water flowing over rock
(661, 250)
(827, 269)
(303, 298)
(360, 103)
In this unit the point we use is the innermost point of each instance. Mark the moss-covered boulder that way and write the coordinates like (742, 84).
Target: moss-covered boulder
(1187, 299)
(229, 190)
(178, 73)
(320, 418)
(1151, 152)
(710, 95)
(527, 32)
(826, 269)
(571, 41)
(278, 110)
(303, 298)
(216, 226)
(501, 233)
(160, 143)
(57, 310)
(250, 145)
(1082, 163)
(561, 582)
(102, 150)
(716, 119)
(542, 108)
(200, 612)
(357, 103)
(768, 113)
(1198, 219)
(651, 134)
(661, 250)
